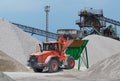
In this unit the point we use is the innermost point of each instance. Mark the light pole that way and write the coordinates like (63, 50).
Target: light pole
(47, 9)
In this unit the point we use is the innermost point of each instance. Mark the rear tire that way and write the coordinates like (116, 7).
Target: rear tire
(70, 63)
(53, 66)
(37, 70)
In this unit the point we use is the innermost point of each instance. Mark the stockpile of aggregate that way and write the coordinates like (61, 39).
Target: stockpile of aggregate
(104, 56)
(104, 59)
(15, 43)
(105, 70)
(100, 47)
(8, 64)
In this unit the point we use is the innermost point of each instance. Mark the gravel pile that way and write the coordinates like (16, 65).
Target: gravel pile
(108, 69)
(105, 70)
(8, 64)
(16, 43)
(100, 47)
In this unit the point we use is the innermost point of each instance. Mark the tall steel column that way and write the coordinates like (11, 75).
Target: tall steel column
(47, 9)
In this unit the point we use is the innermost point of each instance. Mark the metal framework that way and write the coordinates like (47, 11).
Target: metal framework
(93, 18)
(37, 31)
(110, 21)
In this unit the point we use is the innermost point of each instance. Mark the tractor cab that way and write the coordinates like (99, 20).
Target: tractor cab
(51, 46)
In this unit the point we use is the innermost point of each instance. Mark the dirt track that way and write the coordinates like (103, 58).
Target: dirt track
(59, 76)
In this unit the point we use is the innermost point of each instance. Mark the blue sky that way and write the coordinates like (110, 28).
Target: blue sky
(63, 13)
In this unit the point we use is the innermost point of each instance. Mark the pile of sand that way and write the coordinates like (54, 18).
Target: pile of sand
(100, 47)
(104, 59)
(15, 43)
(9, 64)
(105, 70)
(108, 69)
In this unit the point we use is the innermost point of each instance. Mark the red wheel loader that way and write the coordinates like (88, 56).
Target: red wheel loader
(51, 56)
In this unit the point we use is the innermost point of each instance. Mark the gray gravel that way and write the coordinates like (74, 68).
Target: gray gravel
(8, 64)
(16, 43)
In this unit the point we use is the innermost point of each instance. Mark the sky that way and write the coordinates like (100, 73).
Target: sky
(63, 13)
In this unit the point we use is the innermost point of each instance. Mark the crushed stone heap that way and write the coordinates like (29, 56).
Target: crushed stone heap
(108, 68)
(15, 43)
(8, 64)
(100, 47)
(105, 70)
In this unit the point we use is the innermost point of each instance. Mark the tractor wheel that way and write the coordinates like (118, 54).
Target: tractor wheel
(71, 63)
(37, 70)
(53, 66)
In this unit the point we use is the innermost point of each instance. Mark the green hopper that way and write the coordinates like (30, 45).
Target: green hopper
(78, 50)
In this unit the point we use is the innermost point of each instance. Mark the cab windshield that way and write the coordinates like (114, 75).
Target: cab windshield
(50, 46)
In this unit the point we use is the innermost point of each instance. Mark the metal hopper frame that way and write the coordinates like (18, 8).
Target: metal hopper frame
(78, 50)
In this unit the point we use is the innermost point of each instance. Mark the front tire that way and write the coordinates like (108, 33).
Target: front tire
(53, 66)
(70, 63)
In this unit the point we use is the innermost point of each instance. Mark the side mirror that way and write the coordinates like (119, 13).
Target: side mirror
(41, 48)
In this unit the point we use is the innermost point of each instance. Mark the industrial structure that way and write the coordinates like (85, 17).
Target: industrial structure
(69, 33)
(93, 21)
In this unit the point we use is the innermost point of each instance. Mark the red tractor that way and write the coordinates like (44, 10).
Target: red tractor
(52, 57)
